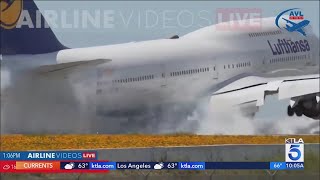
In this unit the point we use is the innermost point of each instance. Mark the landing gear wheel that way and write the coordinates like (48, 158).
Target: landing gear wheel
(298, 111)
(290, 111)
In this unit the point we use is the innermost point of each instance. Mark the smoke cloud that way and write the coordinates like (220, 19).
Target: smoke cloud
(236, 124)
(270, 119)
(38, 104)
(34, 105)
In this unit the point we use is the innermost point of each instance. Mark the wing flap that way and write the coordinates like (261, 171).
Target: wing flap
(256, 91)
(69, 66)
(241, 96)
(296, 88)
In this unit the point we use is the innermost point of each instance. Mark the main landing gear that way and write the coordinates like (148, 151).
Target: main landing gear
(295, 110)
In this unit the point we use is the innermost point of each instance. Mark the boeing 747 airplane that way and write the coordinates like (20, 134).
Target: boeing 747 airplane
(234, 68)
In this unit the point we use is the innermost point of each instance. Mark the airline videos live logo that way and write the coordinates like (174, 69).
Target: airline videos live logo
(238, 19)
(294, 150)
(89, 155)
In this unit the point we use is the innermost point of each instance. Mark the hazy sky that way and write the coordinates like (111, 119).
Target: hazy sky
(143, 20)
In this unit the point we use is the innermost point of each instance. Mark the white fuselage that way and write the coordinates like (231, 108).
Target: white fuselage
(183, 70)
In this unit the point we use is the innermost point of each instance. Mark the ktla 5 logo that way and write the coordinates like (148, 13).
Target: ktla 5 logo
(294, 150)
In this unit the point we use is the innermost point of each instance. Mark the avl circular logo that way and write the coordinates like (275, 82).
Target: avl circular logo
(294, 20)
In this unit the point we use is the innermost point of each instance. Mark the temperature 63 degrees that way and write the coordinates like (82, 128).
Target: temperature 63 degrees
(74, 165)
(171, 165)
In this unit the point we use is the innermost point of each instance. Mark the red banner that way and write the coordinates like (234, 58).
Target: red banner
(40, 167)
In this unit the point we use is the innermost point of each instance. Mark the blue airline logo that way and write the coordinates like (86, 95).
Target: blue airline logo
(284, 46)
(10, 11)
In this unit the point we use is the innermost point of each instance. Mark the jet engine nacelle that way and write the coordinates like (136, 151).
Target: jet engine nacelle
(305, 105)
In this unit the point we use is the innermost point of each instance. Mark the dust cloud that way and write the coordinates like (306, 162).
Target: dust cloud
(236, 124)
(41, 106)
(32, 105)
(270, 119)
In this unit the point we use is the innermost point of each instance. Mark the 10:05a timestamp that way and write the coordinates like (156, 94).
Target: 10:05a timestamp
(295, 165)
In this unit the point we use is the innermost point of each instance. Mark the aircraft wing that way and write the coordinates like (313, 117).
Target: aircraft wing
(288, 21)
(64, 68)
(253, 90)
(301, 31)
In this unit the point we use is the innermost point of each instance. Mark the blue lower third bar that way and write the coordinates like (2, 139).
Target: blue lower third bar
(47, 155)
(237, 165)
(192, 165)
(102, 166)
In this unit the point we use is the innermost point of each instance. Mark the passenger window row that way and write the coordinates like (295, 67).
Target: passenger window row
(134, 79)
(191, 71)
(239, 65)
(288, 58)
(265, 33)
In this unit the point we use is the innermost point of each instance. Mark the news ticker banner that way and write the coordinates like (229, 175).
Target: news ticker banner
(87, 161)
(105, 166)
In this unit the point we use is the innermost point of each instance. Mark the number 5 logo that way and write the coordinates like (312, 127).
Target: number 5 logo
(294, 149)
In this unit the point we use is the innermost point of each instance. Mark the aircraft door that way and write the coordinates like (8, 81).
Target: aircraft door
(215, 72)
(163, 76)
(214, 69)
